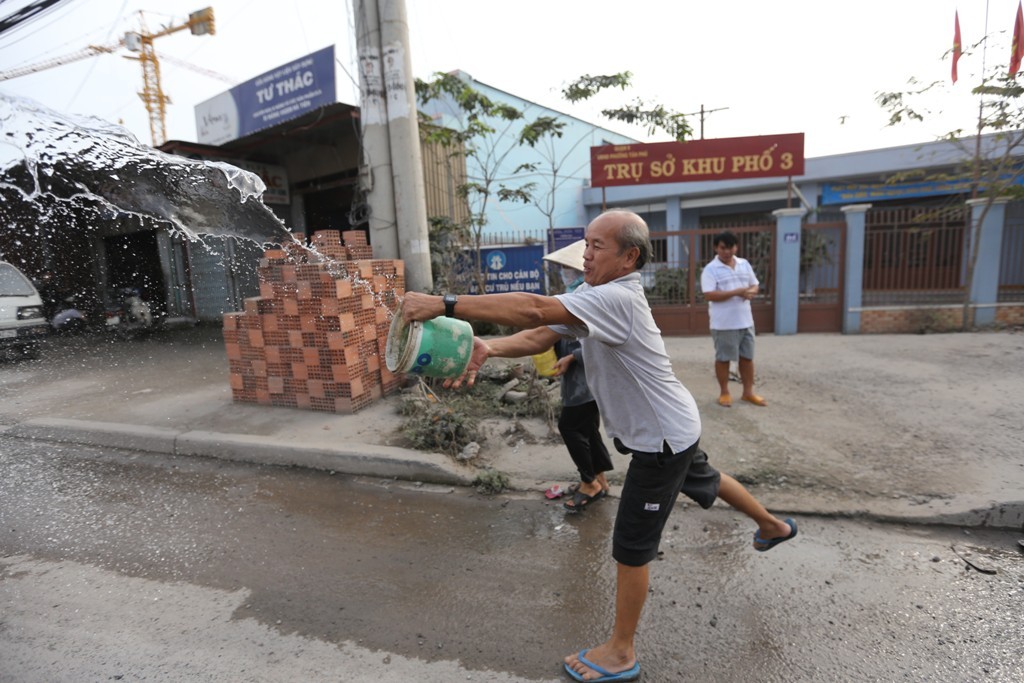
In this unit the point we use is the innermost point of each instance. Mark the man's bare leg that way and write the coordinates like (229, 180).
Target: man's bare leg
(617, 654)
(733, 493)
(747, 375)
(747, 378)
(722, 375)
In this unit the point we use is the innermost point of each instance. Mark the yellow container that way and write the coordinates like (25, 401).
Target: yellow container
(545, 362)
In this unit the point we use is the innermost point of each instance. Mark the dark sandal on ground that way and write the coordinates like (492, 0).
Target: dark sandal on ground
(573, 488)
(762, 544)
(581, 501)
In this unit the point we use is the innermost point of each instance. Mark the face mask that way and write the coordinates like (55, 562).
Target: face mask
(570, 276)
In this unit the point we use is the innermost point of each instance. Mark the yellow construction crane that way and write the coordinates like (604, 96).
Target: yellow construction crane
(199, 23)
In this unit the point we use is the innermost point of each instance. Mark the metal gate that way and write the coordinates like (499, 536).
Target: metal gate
(672, 279)
(822, 258)
(223, 273)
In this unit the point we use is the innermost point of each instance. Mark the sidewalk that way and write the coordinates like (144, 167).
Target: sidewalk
(897, 427)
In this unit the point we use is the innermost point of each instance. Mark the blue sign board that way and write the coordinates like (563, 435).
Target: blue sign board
(512, 269)
(563, 237)
(281, 94)
(846, 193)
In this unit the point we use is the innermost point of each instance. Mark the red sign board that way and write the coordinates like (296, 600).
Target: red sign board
(760, 156)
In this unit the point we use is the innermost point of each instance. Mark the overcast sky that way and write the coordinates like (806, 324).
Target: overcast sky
(811, 66)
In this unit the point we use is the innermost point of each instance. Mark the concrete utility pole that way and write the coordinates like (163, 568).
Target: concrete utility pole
(406, 155)
(404, 195)
(375, 174)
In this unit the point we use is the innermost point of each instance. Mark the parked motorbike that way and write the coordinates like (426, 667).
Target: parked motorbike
(131, 315)
(68, 319)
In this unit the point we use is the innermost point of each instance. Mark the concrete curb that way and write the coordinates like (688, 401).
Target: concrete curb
(361, 460)
(103, 434)
(372, 461)
(394, 463)
(997, 516)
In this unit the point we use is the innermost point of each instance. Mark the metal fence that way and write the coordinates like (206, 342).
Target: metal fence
(914, 255)
(513, 238)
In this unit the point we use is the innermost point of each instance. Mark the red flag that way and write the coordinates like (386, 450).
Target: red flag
(1017, 50)
(956, 42)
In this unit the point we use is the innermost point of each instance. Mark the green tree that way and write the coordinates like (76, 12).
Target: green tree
(486, 132)
(654, 116)
(550, 171)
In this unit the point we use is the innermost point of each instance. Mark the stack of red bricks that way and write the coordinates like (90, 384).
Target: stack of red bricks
(315, 337)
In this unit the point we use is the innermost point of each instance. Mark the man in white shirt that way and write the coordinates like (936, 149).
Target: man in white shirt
(644, 406)
(728, 283)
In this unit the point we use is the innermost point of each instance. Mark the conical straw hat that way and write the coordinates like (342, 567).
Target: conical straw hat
(570, 256)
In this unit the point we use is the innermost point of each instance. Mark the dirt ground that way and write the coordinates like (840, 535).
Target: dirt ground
(891, 424)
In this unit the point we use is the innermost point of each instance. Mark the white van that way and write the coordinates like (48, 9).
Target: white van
(22, 324)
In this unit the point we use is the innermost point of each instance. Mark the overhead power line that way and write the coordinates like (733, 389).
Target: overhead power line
(27, 14)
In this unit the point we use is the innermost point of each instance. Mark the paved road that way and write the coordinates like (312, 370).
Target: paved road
(118, 565)
(916, 428)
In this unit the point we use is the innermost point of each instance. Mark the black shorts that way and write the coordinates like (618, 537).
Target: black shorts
(653, 482)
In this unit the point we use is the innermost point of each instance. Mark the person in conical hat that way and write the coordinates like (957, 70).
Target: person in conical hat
(571, 258)
(580, 421)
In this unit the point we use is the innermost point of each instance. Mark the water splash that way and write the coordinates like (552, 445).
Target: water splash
(69, 167)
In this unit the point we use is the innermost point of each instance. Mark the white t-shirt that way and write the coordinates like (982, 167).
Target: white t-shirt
(642, 403)
(733, 313)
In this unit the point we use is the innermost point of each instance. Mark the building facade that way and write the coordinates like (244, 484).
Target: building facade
(846, 246)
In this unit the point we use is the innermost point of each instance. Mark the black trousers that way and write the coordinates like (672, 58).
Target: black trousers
(580, 427)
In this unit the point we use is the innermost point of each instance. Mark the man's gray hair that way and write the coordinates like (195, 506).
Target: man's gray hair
(633, 233)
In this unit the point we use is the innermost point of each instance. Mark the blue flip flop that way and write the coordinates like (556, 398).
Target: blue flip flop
(606, 676)
(762, 545)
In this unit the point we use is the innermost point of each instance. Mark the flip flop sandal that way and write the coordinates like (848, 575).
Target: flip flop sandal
(604, 675)
(573, 488)
(581, 501)
(764, 544)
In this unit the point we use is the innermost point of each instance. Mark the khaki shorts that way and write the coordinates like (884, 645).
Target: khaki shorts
(731, 345)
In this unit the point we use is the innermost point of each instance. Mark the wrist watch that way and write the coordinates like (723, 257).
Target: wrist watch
(449, 304)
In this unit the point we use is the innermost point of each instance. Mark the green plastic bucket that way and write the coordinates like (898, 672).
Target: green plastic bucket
(434, 348)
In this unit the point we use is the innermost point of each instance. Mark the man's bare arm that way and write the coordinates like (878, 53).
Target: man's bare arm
(726, 294)
(525, 343)
(513, 309)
